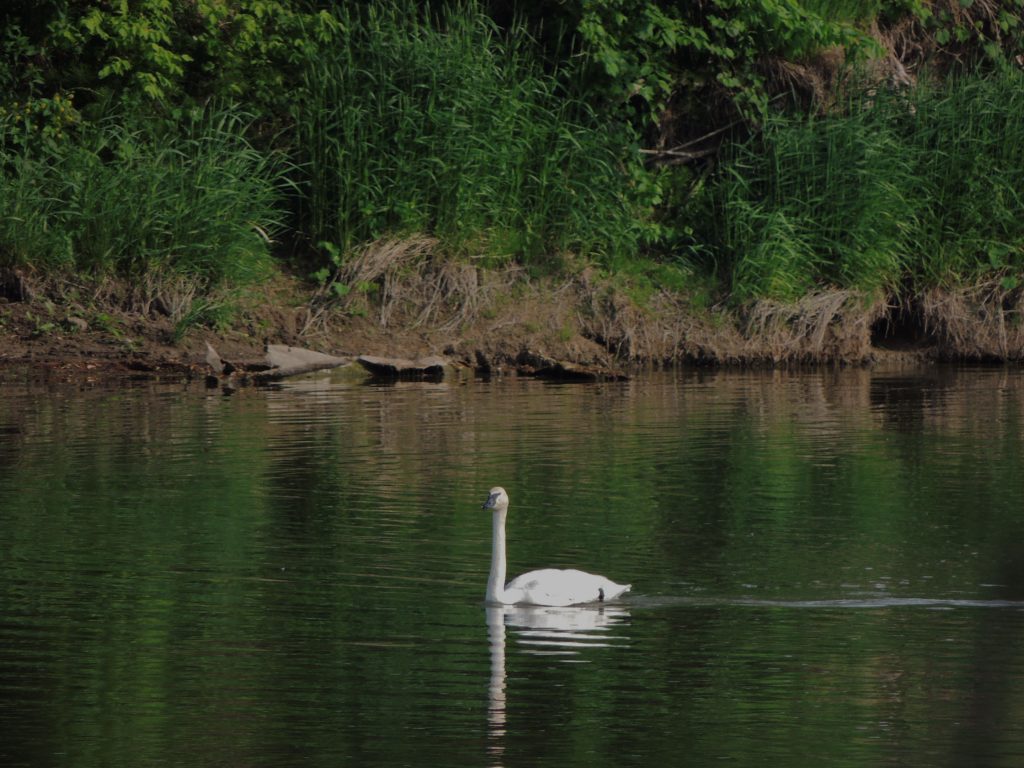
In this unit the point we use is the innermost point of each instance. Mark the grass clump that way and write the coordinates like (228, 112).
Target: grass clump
(898, 191)
(812, 201)
(968, 144)
(116, 201)
(441, 125)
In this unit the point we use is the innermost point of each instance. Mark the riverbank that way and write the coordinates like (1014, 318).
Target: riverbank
(511, 191)
(492, 320)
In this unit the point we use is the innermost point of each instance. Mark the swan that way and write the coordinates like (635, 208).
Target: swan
(547, 586)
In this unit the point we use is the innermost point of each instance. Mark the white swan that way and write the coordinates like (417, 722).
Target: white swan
(548, 586)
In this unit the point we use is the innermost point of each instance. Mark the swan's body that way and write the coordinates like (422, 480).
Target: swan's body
(547, 586)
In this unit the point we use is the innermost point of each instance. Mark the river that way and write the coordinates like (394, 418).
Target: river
(827, 569)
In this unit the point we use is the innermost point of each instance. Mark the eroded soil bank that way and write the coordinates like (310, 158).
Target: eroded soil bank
(488, 320)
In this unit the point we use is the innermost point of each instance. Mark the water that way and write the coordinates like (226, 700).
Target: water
(828, 569)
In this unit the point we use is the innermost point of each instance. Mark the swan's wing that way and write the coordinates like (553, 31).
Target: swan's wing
(552, 586)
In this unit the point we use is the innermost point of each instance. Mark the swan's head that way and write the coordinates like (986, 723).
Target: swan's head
(497, 499)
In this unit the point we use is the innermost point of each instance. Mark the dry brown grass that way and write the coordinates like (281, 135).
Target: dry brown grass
(405, 283)
(825, 327)
(147, 295)
(494, 317)
(404, 298)
(828, 326)
(665, 331)
(811, 81)
(984, 321)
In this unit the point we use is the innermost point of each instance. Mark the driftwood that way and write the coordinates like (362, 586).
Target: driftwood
(285, 361)
(288, 361)
(543, 367)
(564, 371)
(400, 368)
(220, 367)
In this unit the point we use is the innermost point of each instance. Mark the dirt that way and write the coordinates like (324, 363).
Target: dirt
(583, 326)
(47, 336)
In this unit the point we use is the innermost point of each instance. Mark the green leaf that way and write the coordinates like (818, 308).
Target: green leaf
(93, 22)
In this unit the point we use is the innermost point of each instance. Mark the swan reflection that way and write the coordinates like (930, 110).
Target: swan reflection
(563, 631)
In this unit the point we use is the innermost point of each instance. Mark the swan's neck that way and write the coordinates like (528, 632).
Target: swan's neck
(496, 581)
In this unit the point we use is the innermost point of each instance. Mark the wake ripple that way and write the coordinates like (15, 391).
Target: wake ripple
(861, 603)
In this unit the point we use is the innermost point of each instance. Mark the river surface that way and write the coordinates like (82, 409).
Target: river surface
(827, 570)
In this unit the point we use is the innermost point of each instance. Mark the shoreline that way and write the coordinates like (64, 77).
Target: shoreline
(570, 328)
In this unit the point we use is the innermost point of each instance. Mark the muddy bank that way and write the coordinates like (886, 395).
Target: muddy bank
(413, 306)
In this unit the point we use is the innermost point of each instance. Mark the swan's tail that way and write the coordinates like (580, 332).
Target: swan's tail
(616, 590)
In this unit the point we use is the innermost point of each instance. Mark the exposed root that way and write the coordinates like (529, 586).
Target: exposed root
(912, 45)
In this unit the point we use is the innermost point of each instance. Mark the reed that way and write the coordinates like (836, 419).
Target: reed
(814, 201)
(898, 191)
(968, 142)
(438, 124)
(120, 202)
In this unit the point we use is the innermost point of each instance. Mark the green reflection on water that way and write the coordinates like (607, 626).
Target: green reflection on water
(296, 576)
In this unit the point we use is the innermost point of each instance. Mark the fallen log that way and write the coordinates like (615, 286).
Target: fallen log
(543, 367)
(400, 368)
(288, 361)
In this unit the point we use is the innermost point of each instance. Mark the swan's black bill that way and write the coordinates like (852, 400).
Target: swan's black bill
(491, 500)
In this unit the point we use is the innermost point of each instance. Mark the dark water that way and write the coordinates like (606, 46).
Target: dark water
(828, 569)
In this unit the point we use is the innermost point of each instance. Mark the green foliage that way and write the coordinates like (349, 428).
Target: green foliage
(436, 124)
(39, 122)
(641, 278)
(174, 53)
(816, 201)
(968, 147)
(212, 312)
(18, 52)
(121, 202)
(965, 29)
(922, 189)
(649, 49)
(439, 118)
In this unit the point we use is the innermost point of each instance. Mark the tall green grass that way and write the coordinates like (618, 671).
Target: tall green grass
(967, 139)
(118, 201)
(438, 124)
(913, 189)
(815, 200)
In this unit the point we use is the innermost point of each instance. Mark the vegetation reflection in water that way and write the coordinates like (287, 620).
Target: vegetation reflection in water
(827, 568)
